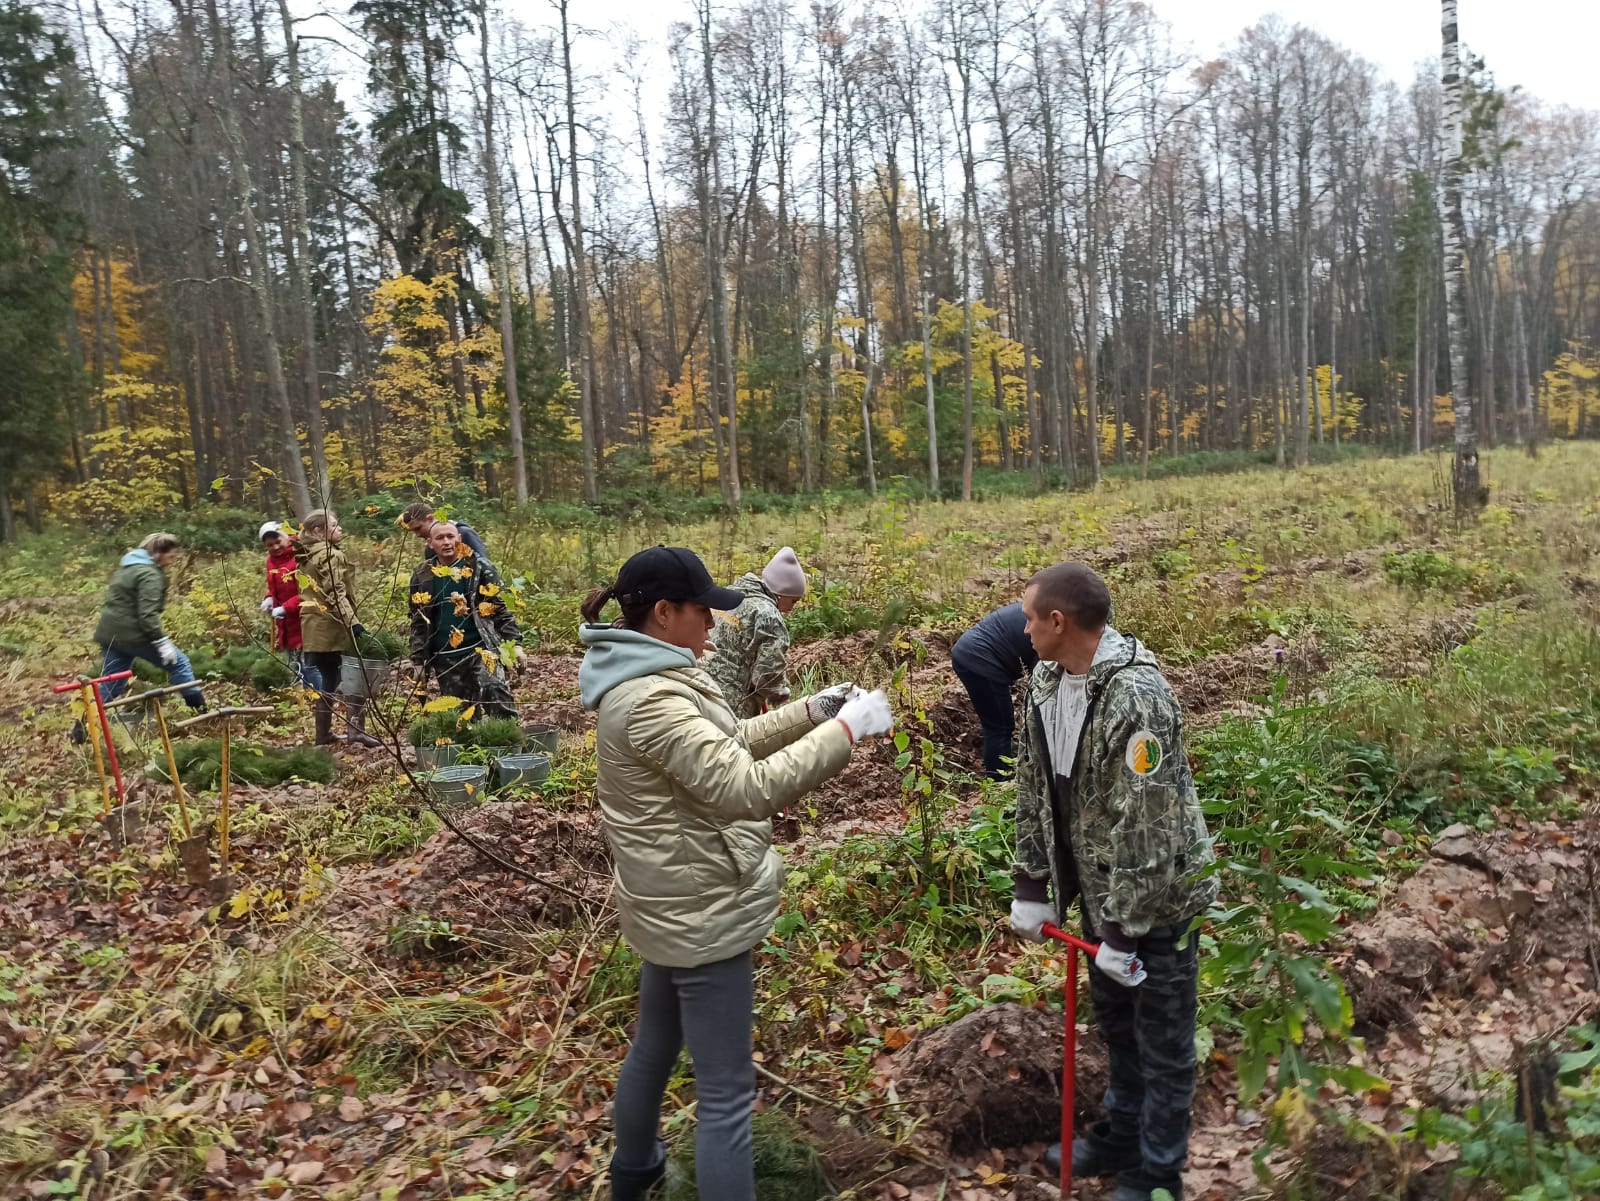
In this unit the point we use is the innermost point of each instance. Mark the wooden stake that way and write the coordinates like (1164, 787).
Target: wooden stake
(90, 712)
(227, 792)
(172, 767)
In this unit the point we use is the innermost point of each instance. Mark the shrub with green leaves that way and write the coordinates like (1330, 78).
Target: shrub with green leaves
(1557, 1159)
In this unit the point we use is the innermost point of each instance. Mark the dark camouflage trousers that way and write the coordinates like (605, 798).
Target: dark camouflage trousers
(469, 678)
(1149, 1033)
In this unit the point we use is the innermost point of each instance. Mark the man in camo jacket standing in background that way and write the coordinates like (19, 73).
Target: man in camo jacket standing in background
(751, 642)
(1107, 814)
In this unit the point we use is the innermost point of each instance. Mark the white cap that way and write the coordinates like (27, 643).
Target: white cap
(268, 527)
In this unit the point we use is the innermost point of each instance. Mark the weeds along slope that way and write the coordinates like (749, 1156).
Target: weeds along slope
(376, 1011)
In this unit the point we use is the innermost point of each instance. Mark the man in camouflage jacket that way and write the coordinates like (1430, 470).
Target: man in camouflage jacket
(752, 642)
(460, 626)
(1107, 814)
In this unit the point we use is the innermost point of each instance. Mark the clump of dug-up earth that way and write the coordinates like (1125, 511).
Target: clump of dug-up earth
(564, 873)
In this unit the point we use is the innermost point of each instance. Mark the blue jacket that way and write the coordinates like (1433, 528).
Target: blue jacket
(997, 647)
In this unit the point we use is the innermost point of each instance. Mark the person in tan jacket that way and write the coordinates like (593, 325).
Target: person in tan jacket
(328, 622)
(687, 791)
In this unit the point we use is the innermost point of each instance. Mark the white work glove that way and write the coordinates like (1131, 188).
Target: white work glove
(1028, 919)
(278, 612)
(266, 604)
(865, 715)
(825, 705)
(1122, 966)
(510, 655)
(167, 651)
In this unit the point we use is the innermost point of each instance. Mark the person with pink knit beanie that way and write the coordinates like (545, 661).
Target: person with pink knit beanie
(752, 641)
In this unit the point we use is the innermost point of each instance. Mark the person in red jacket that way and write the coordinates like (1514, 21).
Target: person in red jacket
(282, 601)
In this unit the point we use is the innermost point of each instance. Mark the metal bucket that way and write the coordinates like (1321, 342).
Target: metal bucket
(462, 784)
(528, 768)
(542, 736)
(443, 754)
(361, 678)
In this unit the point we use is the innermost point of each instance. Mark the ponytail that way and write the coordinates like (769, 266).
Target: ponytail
(635, 613)
(595, 602)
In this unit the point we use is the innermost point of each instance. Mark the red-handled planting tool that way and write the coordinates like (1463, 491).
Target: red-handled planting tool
(90, 690)
(1069, 1066)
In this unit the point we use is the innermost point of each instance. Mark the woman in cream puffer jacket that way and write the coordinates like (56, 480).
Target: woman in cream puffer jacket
(688, 792)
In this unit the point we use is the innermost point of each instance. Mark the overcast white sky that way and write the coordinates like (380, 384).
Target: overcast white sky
(1550, 47)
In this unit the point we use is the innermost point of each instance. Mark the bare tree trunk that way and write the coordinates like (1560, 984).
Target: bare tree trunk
(1523, 399)
(260, 282)
(1465, 474)
(725, 373)
(587, 409)
(502, 266)
(300, 266)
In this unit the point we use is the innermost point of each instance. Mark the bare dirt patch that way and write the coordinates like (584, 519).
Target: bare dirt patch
(449, 880)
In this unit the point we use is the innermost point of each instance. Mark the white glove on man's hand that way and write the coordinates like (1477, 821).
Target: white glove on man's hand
(167, 651)
(825, 705)
(1122, 966)
(1028, 918)
(278, 612)
(266, 604)
(866, 714)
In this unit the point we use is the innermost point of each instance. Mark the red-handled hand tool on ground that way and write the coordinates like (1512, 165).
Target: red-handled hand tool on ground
(90, 690)
(1069, 1066)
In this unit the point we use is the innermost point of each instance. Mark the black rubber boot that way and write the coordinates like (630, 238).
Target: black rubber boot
(356, 735)
(634, 1184)
(322, 714)
(1097, 1152)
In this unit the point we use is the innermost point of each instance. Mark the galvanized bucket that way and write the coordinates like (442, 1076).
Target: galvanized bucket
(362, 678)
(528, 768)
(443, 754)
(462, 784)
(542, 736)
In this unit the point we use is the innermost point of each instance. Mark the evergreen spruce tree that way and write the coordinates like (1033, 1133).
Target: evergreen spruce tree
(37, 236)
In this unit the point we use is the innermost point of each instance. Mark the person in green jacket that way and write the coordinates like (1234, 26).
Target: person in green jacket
(130, 620)
(328, 623)
(687, 791)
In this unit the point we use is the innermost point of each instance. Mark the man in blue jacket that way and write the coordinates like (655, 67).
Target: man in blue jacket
(989, 659)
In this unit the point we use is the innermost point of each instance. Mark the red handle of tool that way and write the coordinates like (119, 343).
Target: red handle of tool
(1069, 1066)
(1072, 940)
(77, 684)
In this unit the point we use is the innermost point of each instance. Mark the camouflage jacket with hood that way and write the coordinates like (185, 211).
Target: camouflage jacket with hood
(751, 644)
(1133, 838)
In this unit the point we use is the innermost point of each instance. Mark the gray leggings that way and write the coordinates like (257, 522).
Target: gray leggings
(712, 1007)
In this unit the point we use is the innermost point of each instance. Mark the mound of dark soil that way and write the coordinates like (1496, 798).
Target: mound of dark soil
(993, 1079)
(564, 872)
(1512, 909)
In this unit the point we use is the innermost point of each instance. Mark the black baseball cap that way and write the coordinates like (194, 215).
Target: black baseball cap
(671, 573)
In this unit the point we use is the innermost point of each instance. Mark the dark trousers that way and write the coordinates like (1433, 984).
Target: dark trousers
(712, 1007)
(466, 677)
(991, 699)
(328, 667)
(1149, 1033)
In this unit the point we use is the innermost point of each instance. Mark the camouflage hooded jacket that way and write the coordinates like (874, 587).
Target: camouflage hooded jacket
(1134, 834)
(751, 644)
(481, 594)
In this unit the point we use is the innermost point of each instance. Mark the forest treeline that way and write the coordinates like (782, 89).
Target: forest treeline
(248, 262)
